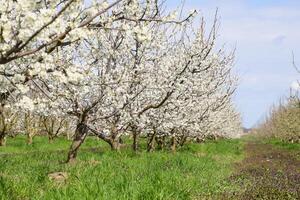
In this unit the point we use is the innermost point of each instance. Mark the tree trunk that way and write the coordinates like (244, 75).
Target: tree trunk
(151, 143)
(80, 135)
(69, 137)
(200, 140)
(164, 142)
(161, 143)
(114, 140)
(2, 140)
(115, 144)
(182, 140)
(1, 104)
(135, 144)
(29, 139)
(50, 139)
(173, 144)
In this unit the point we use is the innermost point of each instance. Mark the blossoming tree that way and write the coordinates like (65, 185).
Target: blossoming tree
(120, 68)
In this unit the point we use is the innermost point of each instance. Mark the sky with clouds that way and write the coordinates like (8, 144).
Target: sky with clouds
(264, 33)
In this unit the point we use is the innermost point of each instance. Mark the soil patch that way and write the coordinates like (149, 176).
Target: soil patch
(267, 173)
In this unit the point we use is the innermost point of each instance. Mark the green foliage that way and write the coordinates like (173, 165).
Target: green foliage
(195, 171)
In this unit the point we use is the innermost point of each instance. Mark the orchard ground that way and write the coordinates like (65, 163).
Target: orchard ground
(227, 169)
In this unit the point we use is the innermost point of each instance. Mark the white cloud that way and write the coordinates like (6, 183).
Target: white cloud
(295, 85)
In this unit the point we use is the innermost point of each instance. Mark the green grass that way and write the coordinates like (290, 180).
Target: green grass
(285, 145)
(292, 147)
(194, 172)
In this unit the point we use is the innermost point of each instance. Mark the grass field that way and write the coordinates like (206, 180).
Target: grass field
(197, 171)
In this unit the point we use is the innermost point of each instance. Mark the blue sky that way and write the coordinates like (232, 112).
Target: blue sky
(265, 33)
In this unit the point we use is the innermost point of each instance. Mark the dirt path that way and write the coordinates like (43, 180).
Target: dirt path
(268, 172)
